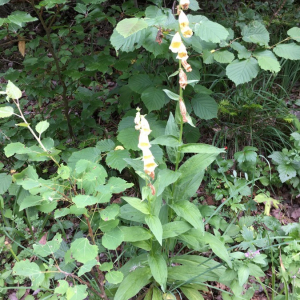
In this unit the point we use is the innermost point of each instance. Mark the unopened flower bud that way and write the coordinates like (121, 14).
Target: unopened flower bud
(186, 65)
(182, 79)
(183, 110)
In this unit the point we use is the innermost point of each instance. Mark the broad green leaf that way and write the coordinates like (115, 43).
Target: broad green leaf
(82, 201)
(20, 17)
(128, 44)
(118, 185)
(194, 5)
(140, 277)
(128, 27)
(205, 107)
(115, 158)
(217, 247)
(255, 270)
(191, 294)
(256, 33)
(77, 292)
(90, 154)
(129, 137)
(131, 214)
(107, 266)
(83, 251)
(110, 212)
(30, 201)
(13, 92)
(105, 145)
(31, 270)
(210, 31)
(62, 288)
(267, 61)
(242, 71)
(154, 47)
(2, 2)
(87, 267)
(294, 33)
(243, 53)
(243, 274)
(114, 277)
(5, 182)
(155, 226)
(200, 148)
(138, 204)
(288, 51)
(166, 140)
(6, 111)
(175, 228)
(106, 226)
(189, 212)
(139, 83)
(172, 95)
(159, 270)
(42, 127)
(81, 8)
(153, 98)
(112, 239)
(277, 157)
(286, 172)
(223, 57)
(135, 233)
(49, 248)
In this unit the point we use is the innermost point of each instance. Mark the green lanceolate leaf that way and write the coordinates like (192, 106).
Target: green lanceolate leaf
(155, 226)
(288, 51)
(175, 228)
(217, 247)
(138, 204)
(191, 294)
(164, 178)
(6, 111)
(241, 71)
(31, 270)
(243, 274)
(200, 148)
(140, 277)
(159, 270)
(128, 27)
(189, 212)
(5, 182)
(210, 31)
(135, 234)
(83, 251)
(166, 140)
(172, 95)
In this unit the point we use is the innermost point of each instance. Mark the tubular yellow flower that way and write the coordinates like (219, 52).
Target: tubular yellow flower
(176, 43)
(187, 32)
(182, 53)
(143, 141)
(184, 4)
(145, 127)
(183, 20)
(186, 65)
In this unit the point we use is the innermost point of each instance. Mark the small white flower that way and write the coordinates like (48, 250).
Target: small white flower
(182, 53)
(176, 43)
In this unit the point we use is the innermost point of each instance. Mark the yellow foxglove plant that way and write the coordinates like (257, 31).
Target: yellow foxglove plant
(143, 126)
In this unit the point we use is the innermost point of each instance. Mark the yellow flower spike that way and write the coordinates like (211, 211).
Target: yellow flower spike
(176, 43)
(183, 20)
(184, 4)
(182, 53)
